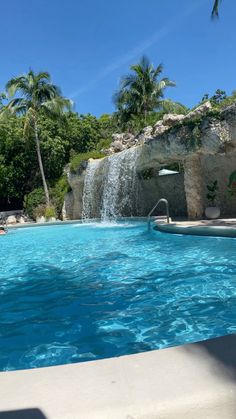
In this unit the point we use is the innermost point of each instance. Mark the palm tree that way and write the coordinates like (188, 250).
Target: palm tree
(35, 93)
(215, 10)
(141, 91)
(2, 97)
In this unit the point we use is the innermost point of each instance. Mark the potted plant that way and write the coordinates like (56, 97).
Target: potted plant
(212, 211)
(232, 184)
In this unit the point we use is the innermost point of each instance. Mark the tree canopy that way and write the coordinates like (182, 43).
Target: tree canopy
(35, 93)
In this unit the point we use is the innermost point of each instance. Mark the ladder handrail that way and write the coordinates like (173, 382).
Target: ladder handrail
(153, 209)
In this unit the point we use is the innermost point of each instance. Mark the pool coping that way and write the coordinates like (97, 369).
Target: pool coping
(65, 222)
(197, 228)
(196, 381)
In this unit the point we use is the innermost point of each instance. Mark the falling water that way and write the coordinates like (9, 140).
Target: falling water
(90, 190)
(120, 192)
(110, 187)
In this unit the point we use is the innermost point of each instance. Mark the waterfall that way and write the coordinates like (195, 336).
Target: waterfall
(120, 193)
(110, 186)
(90, 190)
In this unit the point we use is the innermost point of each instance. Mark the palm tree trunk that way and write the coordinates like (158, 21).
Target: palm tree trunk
(145, 116)
(45, 186)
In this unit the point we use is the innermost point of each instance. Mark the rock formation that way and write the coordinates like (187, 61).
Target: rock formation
(199, 140)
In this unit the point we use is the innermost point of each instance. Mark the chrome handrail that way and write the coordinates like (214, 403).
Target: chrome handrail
(153, 209)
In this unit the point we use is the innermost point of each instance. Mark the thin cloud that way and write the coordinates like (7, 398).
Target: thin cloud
(171, 25)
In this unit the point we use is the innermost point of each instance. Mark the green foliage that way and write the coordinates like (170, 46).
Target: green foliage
(229, 100)
(17, 160)
(103, 144)
(58, 192)
(147, 174)
(31, 94)
(50, 212)
(39, 211)
(78, 159)
(215, 10)
(218, 97)
(219, 100)
(169, 106)
(141, 91)
(232, 184)
(83, 132)
(59, 140)
(33, 200)
(212, 192)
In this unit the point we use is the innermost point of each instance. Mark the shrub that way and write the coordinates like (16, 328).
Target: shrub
(58, 192)
(103, 144)
(39, 211)
(49, 212)
(79, 158)
(33, 200)
(212, 192)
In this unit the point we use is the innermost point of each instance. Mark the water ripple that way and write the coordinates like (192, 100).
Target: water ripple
(75, 294)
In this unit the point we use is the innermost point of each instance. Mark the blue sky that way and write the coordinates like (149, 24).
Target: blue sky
(88, 45)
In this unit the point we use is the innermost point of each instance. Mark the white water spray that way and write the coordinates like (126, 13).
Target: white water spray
(110, 187)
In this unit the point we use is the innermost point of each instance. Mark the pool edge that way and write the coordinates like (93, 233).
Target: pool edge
(210, 231)
(194, 381)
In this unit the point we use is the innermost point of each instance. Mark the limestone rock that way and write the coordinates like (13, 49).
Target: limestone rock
(158, 130)
(21, 220)
(118, 146)
(117, 137)
(52, 220)
(40, 220)
(158, 124)
(108, 151)
(144, 135)
(171, 119)
(147, 131)
(200, 110)
(11, 219)
(127, 138)
(67, 209)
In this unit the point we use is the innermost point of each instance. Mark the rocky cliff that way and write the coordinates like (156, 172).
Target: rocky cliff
(196, 141)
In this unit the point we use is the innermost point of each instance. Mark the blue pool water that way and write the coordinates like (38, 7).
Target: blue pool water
(76, 292)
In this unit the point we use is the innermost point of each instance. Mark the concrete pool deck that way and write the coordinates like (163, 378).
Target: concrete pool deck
(223, 227)
(196, 381)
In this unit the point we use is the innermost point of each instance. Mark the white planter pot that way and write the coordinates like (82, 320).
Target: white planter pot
(212, 212)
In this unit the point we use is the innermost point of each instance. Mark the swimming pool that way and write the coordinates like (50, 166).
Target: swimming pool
(82, 292)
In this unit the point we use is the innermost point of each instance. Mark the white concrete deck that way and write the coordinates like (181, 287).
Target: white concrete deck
(195, 381)
(220, 227)
(219, 222)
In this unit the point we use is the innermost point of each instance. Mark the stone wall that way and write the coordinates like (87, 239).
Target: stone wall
(219, 167)
(207, 149)
(170, 187)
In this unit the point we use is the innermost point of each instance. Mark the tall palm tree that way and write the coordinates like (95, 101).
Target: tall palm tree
(141, 91)
(215, 10)
(2, 97)
(35, 93)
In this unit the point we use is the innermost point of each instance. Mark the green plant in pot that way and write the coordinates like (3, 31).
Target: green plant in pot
(232, 184)
(212, 211)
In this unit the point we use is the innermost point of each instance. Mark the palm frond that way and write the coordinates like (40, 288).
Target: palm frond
(17, 106)
(16, 84)
(141, 90)
(57, 106)
(215, 10)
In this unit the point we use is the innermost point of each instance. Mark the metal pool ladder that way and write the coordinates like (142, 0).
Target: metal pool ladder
(153, 209)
